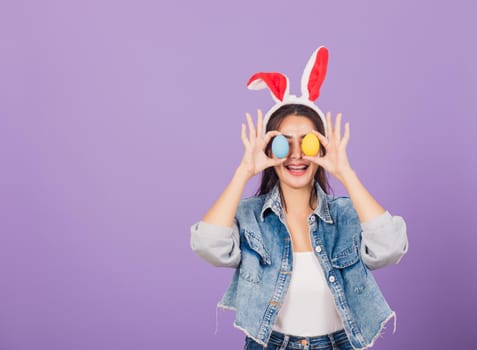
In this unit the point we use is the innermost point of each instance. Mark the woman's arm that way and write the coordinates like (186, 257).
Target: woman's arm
(215, 237)
(223, 210)
(384, 238)
(366, 206)
(336, 163)
(219, 245)
(253, 162)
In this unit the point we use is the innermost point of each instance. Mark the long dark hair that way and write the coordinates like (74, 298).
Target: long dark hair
(269, 176)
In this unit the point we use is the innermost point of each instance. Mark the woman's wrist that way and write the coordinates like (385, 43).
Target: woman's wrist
(242, 174)
(347, 177)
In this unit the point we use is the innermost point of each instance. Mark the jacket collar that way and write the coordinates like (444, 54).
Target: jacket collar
(274, 203)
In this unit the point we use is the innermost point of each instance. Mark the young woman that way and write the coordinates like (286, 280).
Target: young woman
(302, 257)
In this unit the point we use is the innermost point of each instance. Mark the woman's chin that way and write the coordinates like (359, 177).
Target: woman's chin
(296, 179)
(297, 182)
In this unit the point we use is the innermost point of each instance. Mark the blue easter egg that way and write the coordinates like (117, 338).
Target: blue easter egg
(280, 146)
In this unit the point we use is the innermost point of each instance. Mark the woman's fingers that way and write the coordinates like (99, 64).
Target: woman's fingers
(268, 137)
(251, 128)
(346, 135)
(338, 127)
(334, 133)
(317, 160)
(322, 138)
(259, 123)
(276, 161)
(245, 141)
(329, 126)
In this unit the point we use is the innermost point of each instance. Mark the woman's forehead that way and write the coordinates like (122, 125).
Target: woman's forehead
(294, 125)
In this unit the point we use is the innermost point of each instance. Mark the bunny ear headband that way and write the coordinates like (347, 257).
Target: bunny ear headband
(311, 81)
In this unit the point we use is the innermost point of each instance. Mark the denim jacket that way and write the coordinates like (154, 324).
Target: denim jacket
(260, 248)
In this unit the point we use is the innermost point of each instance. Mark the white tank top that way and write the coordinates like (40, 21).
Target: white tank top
(308, 308)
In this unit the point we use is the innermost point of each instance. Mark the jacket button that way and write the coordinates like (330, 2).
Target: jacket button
(331, 279)
(318, 249)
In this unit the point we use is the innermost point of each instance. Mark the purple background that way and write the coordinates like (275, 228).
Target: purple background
(120, 125)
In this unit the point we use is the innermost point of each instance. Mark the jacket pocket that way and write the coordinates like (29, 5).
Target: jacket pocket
(348, 263)
(346, 257)
(254, 257)
(256, 244)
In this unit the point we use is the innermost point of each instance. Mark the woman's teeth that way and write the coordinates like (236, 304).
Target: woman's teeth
(295, 167)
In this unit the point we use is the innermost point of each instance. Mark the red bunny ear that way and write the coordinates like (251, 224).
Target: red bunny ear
(314, 74)
(276, 82)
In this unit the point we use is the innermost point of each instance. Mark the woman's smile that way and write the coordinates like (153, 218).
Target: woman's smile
(297, 169)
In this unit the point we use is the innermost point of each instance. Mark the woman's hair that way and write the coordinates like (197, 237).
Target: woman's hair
(269, 176)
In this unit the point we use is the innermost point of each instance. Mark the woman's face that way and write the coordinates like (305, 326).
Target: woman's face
(296, 172)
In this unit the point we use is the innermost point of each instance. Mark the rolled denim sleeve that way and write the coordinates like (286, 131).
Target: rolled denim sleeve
(384, 240)
(219, 245)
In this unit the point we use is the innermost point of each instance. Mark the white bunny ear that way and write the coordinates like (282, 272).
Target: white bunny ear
(276, 82)
(314, 74)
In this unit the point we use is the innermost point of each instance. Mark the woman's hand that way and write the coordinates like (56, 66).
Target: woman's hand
(254, 159)
(335, 161)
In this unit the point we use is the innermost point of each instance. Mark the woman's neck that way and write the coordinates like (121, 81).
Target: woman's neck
(297, 199)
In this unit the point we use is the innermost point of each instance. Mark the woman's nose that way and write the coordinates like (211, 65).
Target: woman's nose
(295, 150)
